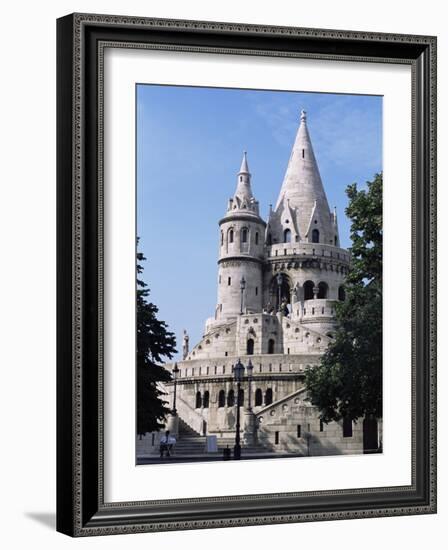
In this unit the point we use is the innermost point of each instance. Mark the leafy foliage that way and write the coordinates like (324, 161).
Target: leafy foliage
(348, 381)
(154, 343)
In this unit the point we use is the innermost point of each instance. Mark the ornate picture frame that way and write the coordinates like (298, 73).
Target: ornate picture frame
(81, 506)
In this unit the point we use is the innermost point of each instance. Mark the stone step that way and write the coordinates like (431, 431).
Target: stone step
(197, 447)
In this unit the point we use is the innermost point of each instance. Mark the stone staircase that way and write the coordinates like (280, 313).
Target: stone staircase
(191, 443)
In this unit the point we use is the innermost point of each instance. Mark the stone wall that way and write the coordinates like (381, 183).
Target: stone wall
(293, 425)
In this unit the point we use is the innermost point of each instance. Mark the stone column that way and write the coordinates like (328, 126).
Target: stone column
(172, 424)
(249, 432)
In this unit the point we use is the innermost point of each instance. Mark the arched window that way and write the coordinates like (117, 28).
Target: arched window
(335, 240)
(315, 236)
(198, 400)
(206, 400)
(341, 293)
(256, 237)
(268, 396)
(258, 397)
(269, 239)
(271, 345)
(250, 346)
(221, 398)
(222, 238)
(231, 398)
(241, 397)
(308, 290)
(323, 291)
(244, 235)
(287, 236)
(231, 236)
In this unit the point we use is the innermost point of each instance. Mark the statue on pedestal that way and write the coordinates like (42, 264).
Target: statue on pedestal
(185, 345)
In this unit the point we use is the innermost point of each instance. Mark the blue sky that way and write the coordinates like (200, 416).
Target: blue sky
(189, 149)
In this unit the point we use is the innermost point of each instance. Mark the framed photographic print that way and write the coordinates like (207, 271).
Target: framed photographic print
(246, 274)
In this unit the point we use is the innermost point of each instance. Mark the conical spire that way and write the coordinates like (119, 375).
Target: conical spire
(244, 166)
(302, 188)
(243, 199)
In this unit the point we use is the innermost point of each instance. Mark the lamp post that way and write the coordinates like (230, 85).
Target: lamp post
(238, 373)
(279, 284)
(242, 287)
(175, 373)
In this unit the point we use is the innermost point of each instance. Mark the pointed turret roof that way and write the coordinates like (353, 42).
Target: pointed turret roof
(243, 196)
(244, 166)
(243, 201)
(302, 186)
(243, 191)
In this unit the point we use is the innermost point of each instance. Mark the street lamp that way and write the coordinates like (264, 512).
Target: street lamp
(250, 371)
(242, 287)
(279, 284)
(238, 373)
(175, 373)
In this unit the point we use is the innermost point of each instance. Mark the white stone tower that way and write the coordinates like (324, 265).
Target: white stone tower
(241, 252)
(307, 268)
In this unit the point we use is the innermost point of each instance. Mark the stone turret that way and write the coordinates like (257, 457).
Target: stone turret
(302, 213)
(241, 251)
(307, 269)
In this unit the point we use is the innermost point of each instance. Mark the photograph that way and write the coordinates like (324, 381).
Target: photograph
(259, 297)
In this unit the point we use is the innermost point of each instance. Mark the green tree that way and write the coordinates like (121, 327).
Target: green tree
(348, 381)
(154, 343)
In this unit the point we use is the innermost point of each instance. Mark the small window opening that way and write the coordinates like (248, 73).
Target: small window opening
(347, 427)
(206, 401)
(222, 399)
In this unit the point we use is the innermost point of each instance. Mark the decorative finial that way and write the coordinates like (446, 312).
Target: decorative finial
(303, 115)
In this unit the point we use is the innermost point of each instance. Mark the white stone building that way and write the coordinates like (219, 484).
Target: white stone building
(278, 282)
